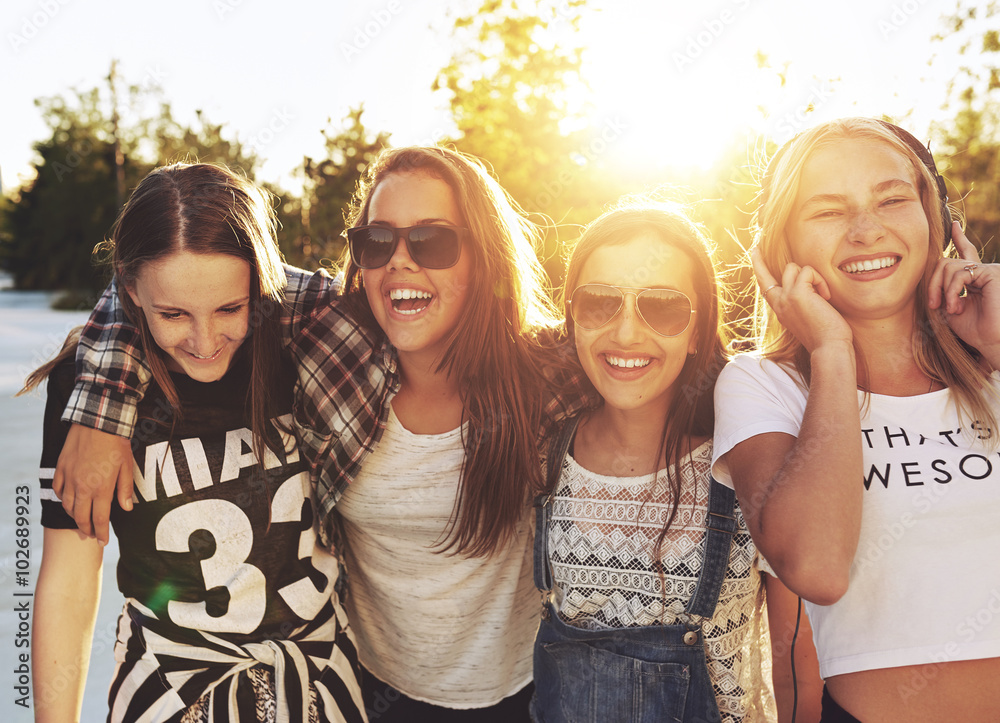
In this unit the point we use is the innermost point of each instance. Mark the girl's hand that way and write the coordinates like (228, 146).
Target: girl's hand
(91, 465)
(802, 304)
(975, 317)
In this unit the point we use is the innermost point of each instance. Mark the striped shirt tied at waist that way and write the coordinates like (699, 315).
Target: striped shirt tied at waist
(196, 663)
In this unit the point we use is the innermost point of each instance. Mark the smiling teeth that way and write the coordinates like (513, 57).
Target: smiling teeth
(199, 356)
(870, 265)
(627, 363)
(403, 294)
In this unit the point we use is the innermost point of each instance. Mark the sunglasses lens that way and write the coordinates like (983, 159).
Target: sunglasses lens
(434, 247)
(371, 246)
(594, 306)
(667, 312)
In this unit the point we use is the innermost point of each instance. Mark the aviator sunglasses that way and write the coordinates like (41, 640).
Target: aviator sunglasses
(665, 311)
(430, 246)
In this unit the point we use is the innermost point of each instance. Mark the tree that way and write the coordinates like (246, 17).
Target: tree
(969, 144)
(508, 87)
(328, 186)
(205, 142)
(55, 221)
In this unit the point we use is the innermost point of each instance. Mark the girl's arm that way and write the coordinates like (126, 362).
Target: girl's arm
(790, 628)
(801, 495)
(112, 375)
(66, 600)
(69, 581)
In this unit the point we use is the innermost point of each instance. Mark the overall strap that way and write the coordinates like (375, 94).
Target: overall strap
(719, 529)
(554, 458)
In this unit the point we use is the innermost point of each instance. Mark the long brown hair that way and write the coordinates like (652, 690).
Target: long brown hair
(67, 351)
(936, 349)
(490, 352)
(691, 412)
(205, 209)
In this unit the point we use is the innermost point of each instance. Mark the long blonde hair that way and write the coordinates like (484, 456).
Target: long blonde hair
(938, 352)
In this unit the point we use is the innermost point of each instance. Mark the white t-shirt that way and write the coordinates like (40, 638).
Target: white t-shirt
(602, 536)
(925, 583)
(445, 629)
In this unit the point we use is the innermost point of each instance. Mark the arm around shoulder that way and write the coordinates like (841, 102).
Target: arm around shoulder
(111, 370)
(305, 293)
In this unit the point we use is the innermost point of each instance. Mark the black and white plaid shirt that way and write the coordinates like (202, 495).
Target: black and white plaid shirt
(347, 376)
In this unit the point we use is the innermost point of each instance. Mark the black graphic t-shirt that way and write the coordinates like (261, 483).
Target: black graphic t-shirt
(216, 541)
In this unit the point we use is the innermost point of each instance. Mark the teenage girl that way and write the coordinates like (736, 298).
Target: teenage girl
(862, 441)
(656, 609)
(231, 612)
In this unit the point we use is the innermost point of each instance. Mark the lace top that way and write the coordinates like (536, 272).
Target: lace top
(602, 535)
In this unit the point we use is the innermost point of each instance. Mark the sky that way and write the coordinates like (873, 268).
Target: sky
(668, 81)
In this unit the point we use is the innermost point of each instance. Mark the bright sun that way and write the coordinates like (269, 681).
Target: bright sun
(674, 85)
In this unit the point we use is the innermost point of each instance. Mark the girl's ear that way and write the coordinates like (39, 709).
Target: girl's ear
(130, 290)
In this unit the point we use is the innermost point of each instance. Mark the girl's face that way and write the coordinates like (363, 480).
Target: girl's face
(630, 365)
(416, 307)
(196, 307)
(859, 222)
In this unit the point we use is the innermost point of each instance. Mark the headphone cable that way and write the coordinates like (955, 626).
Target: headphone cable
(795, 685)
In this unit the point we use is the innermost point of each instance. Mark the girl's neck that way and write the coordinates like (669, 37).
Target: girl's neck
(621, 443)
(429, 401)
(888, 365)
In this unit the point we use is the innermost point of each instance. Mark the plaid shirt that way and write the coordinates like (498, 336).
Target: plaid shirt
(346, 380)
(347, 376)
(111, 370)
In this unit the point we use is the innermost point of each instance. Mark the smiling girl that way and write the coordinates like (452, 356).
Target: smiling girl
(860, 440)
(657, 599)
(231, 612)
(436, 525)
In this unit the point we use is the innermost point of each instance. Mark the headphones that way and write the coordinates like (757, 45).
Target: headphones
(919, 149)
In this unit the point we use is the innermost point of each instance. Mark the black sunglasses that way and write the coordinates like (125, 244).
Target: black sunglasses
(666, 311)
(430, 246)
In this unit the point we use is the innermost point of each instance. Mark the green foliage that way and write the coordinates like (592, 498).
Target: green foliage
(329, 183)
(292, 240)
(203, 143)
(968, 146)
(508, 85)
(51, 228)
(58, 218)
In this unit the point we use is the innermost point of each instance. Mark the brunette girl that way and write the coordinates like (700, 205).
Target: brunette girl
(657, 599)
(231, 611)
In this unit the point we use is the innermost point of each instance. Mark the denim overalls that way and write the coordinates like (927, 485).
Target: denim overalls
(628, 675)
